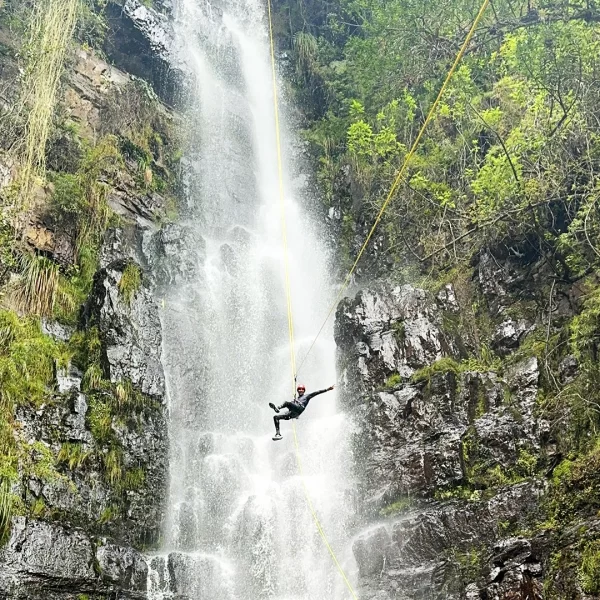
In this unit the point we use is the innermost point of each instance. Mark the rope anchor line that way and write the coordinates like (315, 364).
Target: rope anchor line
(400, 174)
(288, 295)
(347, 280)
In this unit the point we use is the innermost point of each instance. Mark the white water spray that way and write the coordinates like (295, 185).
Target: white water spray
(238, 525)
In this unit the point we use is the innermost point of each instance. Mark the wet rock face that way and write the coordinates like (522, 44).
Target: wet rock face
(386, 331)
(48, 561)
(130, 332)
(508, 336)
(415, 439)
(81, 494)
(410, 442)
(410, 556)
(513, 572)
(140, 41)
(169, 257)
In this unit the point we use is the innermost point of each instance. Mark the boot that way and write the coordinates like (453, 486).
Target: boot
(275, 408)
(277, 437)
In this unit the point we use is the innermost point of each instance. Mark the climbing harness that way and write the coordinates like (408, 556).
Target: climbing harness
(347, 280)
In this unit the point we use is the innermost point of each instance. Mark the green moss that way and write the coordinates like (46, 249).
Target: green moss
(461, 492)
(393, 380)
(469, 563)
(443, 365)
(113, 465)
(133, 479)
(27, 360)
(86, 347)
(100, 420)
(130, 282)
(527, 462)
(563, 472)
(110, 513)
(589, 570)
(91, 26)
(38, 508)
(399, 506)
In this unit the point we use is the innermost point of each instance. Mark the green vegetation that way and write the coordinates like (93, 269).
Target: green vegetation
(51, 26)
(27, 362)
(468, 563)
(73, 454)
(498, 166)
(393, 380)
(488, 362)
(589, 571)
(91, 25)
(397, 507)
(130, 282)
(443, 365)
(64, 174)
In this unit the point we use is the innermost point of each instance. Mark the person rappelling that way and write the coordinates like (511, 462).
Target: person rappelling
(295, 408)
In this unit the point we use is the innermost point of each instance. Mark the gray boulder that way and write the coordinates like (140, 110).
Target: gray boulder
(385, 331)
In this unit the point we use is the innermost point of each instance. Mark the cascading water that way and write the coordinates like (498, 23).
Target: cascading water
(238, 525)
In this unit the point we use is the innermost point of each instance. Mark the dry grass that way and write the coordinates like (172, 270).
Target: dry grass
(37, 290)
(51, 29)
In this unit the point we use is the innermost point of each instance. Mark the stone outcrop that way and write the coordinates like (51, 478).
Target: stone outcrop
(426, 423)
(141, 42)
(386, 331)
(413, 553)
(81, 494)
(130, 331)
(44, 561)
(90, 521)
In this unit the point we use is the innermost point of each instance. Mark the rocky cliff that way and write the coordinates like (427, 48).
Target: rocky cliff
(457, 453)
(87, 457)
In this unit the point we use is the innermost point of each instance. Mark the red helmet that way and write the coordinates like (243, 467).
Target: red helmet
(300, 387)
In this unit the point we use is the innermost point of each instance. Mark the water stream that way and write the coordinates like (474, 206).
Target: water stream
(238, 526)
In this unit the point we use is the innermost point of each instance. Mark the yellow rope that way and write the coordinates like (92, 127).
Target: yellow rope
(316, 518)
(402, 171)
(288, 295)
(366, 242)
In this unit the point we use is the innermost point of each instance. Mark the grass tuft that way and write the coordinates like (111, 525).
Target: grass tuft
(130, 282)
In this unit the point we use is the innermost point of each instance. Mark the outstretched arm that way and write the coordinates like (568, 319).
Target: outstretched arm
(313, 394)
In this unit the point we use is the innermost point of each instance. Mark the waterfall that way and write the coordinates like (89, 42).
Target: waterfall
(238, 526)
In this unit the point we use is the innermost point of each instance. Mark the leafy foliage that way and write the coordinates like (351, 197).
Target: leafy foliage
(512, 153)
(589, 571)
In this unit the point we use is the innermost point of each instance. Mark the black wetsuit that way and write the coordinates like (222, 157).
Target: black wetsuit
(295, 407)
